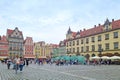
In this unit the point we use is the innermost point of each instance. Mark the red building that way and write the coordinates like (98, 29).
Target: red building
(28, 48)
(3, 47)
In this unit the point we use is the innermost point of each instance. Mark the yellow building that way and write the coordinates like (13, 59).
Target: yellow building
(100, 40)
(48, 50)
(42, 50)
(39, 49)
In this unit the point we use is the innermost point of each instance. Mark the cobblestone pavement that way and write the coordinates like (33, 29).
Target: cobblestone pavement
(53, 72)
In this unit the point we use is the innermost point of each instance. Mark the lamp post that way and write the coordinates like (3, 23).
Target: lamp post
(100, 50)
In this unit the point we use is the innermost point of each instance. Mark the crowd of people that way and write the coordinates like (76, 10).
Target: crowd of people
(20, 62)
(16, 63)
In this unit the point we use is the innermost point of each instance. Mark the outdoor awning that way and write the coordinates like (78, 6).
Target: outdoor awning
(29, 56)
(105, 57)
(115, 57)
(95, 57)
(3, 57)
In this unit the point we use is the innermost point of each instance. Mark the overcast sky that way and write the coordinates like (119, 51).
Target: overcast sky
(49, 20)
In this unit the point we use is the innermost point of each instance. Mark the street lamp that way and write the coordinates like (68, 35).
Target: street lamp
(100, 50)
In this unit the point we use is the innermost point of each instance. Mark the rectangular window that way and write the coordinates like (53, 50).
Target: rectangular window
(106, 36)
(93, 47)
(87, 40)
(107, 46)
(77, 49)
(73, 43)
(69, 43)
(99, 47)
(73, 50)
(99, 38)
(77, 42)
(115, 45)
(82, 41)
(115, 34)
(93, 39)
(81, 49)
(87, 48)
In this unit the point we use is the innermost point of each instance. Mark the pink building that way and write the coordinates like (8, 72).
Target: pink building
(29, 48)
(3, 47)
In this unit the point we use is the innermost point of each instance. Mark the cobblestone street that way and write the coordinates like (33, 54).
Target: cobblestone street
(53, 72)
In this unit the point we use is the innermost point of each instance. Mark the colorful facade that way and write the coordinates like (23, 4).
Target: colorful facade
(39, 48)
(55, 50)
(15, 42)
(48, 50)
(3, 47)
(102, 39)
(62, 48)
(28, 48)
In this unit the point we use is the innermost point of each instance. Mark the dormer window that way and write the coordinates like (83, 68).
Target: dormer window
(107, 28)
(107, 25)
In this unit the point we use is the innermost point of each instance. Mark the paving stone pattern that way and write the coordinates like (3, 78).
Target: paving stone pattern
(53, 72)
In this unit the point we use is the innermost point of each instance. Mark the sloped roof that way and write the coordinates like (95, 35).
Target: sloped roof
(116, 24)
(91, 31)
(9, 31)
(97, 29)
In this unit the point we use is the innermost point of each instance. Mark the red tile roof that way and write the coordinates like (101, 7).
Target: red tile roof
(73, 34)
(116, 24)
(9, 31)
(91, 31)
(97, 29)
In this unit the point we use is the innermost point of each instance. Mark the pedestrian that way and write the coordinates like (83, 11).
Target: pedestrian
(17, 62)
(8, 63)
(21, 64)
(27, 62)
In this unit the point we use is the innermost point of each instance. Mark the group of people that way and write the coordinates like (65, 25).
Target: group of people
(17, 62)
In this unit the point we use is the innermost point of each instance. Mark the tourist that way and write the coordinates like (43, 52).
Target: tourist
(8, 63)
(21, 64)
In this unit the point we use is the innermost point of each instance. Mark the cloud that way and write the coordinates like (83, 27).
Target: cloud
(49, 20)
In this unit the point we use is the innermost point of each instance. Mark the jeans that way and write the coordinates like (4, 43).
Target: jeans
(21, 67)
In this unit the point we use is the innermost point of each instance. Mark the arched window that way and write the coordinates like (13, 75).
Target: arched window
(93, 55)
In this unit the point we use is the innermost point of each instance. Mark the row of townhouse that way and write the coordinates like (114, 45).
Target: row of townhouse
(13, 44)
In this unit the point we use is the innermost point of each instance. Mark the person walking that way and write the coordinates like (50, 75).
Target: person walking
(8, 63)
(21, 63)
(17, 62)
(27, 62)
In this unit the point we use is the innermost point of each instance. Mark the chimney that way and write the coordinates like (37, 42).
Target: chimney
(84, 29)
(80, 30)
(95, 26)
(112, 20)
(98, 24)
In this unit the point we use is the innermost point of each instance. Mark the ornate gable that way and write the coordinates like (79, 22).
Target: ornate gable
(16, 33)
